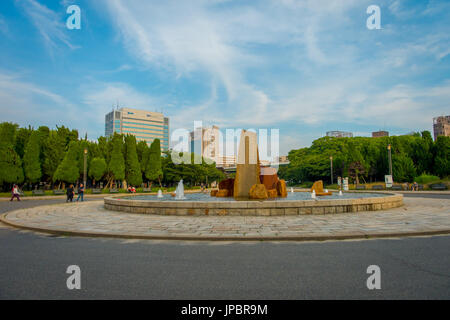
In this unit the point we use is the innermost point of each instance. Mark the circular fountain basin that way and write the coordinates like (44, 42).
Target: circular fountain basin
(296, 203)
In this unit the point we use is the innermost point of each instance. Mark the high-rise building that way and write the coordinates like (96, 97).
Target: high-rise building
(144, 125)
(380, 133)
(441, 126)
(206, 142)
(339, 134)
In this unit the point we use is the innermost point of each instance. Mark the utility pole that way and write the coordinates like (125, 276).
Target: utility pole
(85, 168)
(390, 159)
(331, 168)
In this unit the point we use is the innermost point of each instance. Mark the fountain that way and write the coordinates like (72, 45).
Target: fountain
(160, 194)
(179, 192)
(255, 191)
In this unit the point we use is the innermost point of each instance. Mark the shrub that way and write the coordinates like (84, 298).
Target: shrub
(426, 178)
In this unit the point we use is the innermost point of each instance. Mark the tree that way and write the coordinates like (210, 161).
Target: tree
(97, 169)
(68, 170)
(403, 169)
(442, 159)
(31, 158)
(132, 167)
(10, 163)
(22, 136)
(117, 164)
(153, 170)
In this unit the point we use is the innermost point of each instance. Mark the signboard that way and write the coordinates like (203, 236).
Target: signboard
(345, 184)
(388, 181)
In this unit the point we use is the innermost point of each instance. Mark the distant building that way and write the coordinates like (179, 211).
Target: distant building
(378, 134)
(441, 126)
(283, 159)
(144, 125)
(206, 141)
(339, 134)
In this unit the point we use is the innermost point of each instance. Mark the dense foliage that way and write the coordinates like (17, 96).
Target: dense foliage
(366, 159)
(56, 157)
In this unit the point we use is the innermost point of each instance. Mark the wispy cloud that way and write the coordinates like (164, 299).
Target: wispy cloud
(49, 24)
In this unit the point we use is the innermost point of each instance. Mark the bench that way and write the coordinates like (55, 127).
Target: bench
(397, 187)
(377, 187)
(420, 187)
(360, 187)
(113, 190)
(96, 191)
(59, 192)
(146, 189)
(438, 186)
(38, 193)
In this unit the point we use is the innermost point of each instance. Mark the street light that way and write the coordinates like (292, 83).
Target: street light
(390, 159)
(85, 167)
(331, 168)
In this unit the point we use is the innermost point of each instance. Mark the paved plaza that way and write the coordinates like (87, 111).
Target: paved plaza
(419, 216)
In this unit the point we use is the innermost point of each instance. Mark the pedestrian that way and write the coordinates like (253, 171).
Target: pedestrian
(81, 192)
(70, 193)
(15, 193)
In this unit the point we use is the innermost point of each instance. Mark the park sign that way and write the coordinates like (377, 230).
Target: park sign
(388, 180)
(345, 184)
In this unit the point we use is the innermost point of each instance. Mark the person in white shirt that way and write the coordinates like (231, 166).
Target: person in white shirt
(15, 193)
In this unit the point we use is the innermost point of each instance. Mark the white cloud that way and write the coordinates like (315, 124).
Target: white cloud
(48, 23)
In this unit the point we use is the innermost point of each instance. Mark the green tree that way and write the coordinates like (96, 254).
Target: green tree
(117, 163)
(132, 167)
(22, 136)
(31, 158)
(441, 161)
(11, 170)
(97, 169)
(153, 170)
(68, 170)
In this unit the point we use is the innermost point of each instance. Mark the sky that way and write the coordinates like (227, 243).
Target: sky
(303, 67)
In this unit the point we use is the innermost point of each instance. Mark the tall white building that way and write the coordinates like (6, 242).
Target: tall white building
(144, 125)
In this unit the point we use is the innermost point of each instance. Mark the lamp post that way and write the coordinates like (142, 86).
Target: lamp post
(331, 168)
(390, 159)
(85, 168)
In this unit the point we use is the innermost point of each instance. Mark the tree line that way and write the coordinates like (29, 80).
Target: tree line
(364, 159)
(30, 156)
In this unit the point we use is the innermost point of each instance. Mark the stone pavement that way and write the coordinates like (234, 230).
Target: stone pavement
(419, 216)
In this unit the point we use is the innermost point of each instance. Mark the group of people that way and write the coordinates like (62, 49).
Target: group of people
(131, 189)
(413, 186)
(70, 192)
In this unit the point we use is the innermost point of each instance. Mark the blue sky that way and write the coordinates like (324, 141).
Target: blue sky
(304, 67)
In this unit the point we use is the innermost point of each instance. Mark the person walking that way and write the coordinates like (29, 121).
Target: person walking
(15, 193)
(81, 192)
(70, 193)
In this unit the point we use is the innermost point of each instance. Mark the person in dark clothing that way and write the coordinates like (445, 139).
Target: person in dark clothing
(70, 193)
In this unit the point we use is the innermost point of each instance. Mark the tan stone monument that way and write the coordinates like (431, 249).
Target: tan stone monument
(247, 168)
(318, 188)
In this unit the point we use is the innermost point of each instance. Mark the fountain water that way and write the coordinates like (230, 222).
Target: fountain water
(313, 194)
(340, 192)
(180, 191)
(160, 194)
(292, 190)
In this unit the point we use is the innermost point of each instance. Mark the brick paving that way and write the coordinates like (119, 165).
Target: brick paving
(417, 216)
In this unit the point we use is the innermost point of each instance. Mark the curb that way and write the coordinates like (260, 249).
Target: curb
(224, 238)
